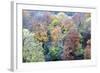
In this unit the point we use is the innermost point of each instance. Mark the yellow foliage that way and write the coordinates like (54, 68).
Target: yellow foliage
(41, 36)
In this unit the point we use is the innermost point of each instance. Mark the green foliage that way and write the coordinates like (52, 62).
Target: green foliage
(54, 53)
(55, 22)
(79, 51)
(64, 30)
(32, 50)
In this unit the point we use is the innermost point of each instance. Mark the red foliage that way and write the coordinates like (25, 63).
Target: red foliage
(71, 42)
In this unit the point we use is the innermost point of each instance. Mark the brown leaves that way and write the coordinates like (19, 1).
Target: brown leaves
(87, 51)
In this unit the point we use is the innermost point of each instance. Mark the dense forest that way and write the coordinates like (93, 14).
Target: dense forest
(55, 36)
